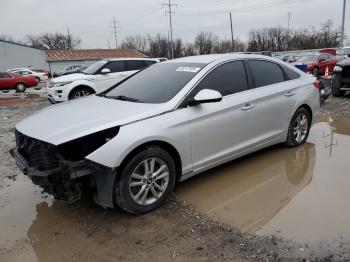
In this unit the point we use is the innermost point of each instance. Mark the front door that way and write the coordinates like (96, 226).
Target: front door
(220, 129)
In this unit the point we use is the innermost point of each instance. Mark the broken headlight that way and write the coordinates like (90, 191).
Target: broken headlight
(79, 148)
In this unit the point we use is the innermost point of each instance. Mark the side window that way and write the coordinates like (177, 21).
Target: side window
(291, 75)
(149, 62)
(266, 73)
(228, 79)
(5, 75)
(324, 56)
(116, 66)
(133, 65)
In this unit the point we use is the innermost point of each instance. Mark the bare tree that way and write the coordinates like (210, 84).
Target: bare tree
(138, 43)
(57, 41)
(205, 42)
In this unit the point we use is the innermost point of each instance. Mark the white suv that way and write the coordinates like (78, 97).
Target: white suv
(96, 78)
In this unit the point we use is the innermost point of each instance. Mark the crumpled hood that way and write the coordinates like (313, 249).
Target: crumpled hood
(71, 77)
(67, 121)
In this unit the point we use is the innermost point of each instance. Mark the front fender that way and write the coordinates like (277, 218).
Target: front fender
(171, 128)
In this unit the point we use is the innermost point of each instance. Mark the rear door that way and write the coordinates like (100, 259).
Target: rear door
(104, 81)
(275, 98)
(220, 129)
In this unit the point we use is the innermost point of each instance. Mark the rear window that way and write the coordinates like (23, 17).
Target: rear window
(266, 73)
(291, 75)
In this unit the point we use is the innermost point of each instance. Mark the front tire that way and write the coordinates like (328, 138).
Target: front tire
(20, 87)
(299, 128)
(146, 181)
(315, 72)
(80, 92)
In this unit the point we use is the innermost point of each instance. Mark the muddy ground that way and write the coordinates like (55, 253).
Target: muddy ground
(34, 227)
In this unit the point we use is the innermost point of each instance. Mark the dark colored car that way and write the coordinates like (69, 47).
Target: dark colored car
(10, 81)
(341, 78)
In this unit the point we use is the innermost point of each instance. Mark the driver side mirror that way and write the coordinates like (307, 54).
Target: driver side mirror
(105, 71)
(205, 96)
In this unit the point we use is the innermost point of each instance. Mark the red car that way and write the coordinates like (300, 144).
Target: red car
(12, 81)
(317, 64)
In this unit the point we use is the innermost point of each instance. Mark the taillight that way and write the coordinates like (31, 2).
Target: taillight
(317, 84)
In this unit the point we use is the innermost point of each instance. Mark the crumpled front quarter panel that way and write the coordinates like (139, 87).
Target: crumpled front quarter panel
(171, 127)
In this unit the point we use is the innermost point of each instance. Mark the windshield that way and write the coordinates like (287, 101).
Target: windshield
(92, 69)
(308, 58)
(156, 84)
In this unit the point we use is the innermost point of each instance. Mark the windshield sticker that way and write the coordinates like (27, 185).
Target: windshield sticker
(188, 69)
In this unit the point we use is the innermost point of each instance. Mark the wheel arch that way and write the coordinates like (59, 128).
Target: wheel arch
(308, 108)
(80, 86)
(162, 144)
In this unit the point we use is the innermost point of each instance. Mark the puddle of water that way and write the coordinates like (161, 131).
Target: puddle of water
(299, 193)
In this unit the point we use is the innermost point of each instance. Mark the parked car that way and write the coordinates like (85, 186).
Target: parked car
(71, 69)
(317, 63)
(96, 78)
(45, 72)
(167, 123)
(341, 78)
(12, 81)
(39, 76)
(77, 69)
(290, 58)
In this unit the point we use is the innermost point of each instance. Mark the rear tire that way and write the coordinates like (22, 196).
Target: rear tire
(20, 87)
(140, 189)
(337, 93)
(80, 92)
(299, 128)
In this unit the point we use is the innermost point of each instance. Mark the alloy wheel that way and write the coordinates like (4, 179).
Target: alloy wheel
(81, 93)
(301, 125)
(149, 181)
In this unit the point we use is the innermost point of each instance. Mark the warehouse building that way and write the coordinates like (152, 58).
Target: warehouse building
(60, 59)
(14, 55)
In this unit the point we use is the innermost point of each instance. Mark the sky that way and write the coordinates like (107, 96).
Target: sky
(91, 20)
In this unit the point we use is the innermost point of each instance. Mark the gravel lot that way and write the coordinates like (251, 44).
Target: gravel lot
(36, 228)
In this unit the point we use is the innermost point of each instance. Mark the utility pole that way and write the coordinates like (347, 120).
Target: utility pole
(69, 39)
(115, 27)
(231, 31)
(289, 16)
(149, 39)
(343, 25)
(170, 12)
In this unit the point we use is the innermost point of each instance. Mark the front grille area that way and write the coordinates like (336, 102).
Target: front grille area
(38, 154)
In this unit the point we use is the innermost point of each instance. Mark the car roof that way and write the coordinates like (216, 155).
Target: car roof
(207, 59)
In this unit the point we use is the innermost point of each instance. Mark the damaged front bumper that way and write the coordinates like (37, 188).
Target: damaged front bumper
(63, 179)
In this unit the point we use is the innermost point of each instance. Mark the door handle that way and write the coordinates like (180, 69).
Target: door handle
(289, 93)
(247, 107)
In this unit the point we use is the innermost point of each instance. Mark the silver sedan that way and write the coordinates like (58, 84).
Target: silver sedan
(167, 123)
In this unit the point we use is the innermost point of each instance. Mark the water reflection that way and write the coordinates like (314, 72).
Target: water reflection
(248, 192)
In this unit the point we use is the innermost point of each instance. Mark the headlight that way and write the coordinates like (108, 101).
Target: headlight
(337, 68)
(58, 84)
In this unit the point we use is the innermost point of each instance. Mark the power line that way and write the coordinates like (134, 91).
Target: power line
(170, 12)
